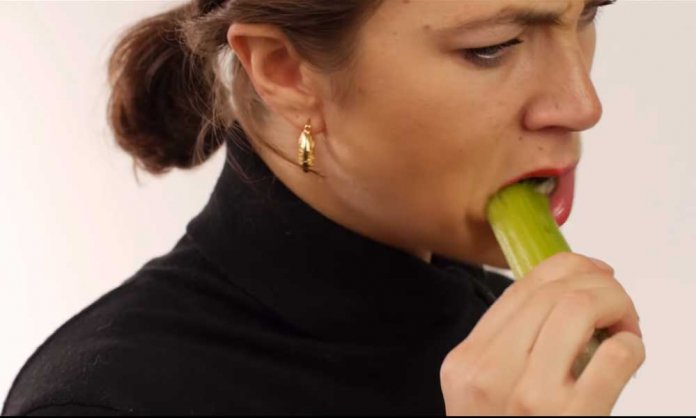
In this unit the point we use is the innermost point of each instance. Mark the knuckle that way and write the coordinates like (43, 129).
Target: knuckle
(447, 370)
(624, 300)
(474, 390)
(621, 353)
(454, 364)
(462, 378)
(513, 290)
(464, 385)
(642, 355)
(562, 265)
(528, 400)
(640, 352)
(575, 262)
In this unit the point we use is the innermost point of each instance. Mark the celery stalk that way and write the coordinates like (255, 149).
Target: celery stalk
(523, 225)
(527, 234)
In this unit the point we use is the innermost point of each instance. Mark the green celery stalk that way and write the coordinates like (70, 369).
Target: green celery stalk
(527, 234)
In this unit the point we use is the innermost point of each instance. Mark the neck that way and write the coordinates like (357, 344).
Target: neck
(317, 192)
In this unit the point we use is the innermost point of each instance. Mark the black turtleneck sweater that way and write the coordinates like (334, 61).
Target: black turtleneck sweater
(264, 306)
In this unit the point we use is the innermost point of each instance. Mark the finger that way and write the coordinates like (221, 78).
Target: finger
(503, 360)
(565, 263)
(507, 306)
(630, 324)
(569, 328)
(611, 368)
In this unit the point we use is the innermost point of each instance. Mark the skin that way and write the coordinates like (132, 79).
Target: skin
(409, 159)
(517, 360)
(416, 146)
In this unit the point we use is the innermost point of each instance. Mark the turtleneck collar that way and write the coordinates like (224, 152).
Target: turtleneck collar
(324, 280)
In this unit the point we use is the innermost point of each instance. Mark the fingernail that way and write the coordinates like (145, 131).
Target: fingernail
(601, 264)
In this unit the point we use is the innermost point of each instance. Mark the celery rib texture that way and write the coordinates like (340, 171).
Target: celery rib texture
(527, 234)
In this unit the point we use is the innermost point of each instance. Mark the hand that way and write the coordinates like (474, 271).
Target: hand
(518, 358)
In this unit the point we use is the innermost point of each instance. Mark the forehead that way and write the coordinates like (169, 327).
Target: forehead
(442, 13)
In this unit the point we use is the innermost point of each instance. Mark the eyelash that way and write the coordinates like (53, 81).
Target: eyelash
(476, 55)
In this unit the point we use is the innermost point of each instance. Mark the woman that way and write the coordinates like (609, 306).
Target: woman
(337, 267)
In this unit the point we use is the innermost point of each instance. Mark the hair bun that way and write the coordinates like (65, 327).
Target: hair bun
(161, 95)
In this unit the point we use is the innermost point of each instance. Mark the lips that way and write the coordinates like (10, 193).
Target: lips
(561, 200)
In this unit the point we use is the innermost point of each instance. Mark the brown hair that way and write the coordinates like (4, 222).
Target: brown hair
(178, 89)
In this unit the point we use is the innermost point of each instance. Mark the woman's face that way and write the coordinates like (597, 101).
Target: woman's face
(430, 129)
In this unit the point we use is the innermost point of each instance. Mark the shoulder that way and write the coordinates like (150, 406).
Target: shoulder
(73, 410)
(146, 339)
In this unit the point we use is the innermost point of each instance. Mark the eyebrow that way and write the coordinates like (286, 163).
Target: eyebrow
(514, 15)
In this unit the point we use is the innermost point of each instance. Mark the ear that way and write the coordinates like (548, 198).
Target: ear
(280, 76)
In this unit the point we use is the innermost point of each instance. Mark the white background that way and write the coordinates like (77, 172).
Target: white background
(75, 223)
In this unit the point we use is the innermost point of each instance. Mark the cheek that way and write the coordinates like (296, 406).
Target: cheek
(421, 153)
(425, 120)
(428, 146)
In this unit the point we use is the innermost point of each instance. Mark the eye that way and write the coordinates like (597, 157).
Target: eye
(489, 56)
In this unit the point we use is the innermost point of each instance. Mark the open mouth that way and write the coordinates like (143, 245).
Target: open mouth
(544, 185)
(557, 184)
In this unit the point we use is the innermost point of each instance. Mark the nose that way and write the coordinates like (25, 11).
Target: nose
(563, 95)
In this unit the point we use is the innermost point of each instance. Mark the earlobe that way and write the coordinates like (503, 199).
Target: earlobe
(276, 71)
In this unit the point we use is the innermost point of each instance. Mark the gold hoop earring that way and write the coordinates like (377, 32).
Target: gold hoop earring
(305, 153)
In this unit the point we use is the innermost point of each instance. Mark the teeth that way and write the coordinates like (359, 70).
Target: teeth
(547, 186)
